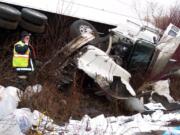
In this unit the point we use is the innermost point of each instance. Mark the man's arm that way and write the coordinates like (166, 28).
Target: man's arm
(33, 53)
(21, 49)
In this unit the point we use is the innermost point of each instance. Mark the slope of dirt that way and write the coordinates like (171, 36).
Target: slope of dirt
(57, 104)
(74, 102)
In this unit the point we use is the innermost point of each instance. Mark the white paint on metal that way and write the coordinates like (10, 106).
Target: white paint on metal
(96, 62)
(167, 50)
(108, 12)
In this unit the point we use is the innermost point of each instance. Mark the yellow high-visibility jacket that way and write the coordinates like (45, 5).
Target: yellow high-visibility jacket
(20, 60)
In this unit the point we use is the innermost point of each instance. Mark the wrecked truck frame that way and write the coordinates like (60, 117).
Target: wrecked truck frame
(152, 60)
(106, 73)
(114, 78)
(111, 77)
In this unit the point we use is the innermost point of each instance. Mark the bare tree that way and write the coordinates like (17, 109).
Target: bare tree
(162, 17)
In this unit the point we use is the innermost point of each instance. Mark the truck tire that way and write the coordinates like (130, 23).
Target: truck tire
(32, 27)
(80, 27)
(34, 16)
(8, 24)
(9, 13)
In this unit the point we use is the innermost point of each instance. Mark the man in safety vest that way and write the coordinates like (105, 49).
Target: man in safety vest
(23, 56)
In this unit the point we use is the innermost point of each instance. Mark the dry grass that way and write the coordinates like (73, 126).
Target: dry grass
(167, 16)
(50, 101)
(7, 41)
(75, 103)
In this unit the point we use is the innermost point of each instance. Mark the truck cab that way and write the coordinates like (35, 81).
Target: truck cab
(142, 54)
(135, 48)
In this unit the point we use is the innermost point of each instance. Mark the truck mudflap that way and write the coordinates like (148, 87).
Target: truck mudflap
(106, 73)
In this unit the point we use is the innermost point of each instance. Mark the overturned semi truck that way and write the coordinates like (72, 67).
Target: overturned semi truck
(109, 60)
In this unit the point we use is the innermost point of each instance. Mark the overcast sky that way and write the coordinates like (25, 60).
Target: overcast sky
(142, 5)
(136, 9)
(163, 3)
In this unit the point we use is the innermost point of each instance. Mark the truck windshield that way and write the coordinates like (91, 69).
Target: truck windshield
(140, 56)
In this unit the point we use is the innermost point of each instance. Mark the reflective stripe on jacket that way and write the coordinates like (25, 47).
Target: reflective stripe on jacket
(20, 60)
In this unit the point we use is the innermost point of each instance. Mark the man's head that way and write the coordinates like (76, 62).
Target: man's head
(25, 36)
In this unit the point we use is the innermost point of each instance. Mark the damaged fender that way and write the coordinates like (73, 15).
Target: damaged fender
(102, 68)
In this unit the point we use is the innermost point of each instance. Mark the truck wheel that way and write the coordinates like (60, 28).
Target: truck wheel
(34, 16)
(32, 27)
(9, 13)
(80, 27)
(8, 24)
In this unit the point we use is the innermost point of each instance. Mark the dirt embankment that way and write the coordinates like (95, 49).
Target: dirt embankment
(59, 105)
(55, 103)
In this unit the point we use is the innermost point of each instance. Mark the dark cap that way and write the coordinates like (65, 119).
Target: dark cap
(25, 33)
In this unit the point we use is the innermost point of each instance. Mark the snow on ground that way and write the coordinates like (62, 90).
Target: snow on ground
(19, 121)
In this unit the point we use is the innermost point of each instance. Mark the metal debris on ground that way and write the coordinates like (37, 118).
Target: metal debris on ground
(125, 125)
(19, 121)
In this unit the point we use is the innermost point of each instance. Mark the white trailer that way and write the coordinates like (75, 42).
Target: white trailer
(114, 13)
(106, 12)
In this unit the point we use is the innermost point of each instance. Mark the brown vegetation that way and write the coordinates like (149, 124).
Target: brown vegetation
(60, 106)
(56, 104)
(167, 16)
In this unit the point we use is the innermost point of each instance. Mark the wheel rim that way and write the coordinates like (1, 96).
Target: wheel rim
(85, 29)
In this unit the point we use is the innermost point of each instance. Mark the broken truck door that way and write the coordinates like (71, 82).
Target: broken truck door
(106, 73)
